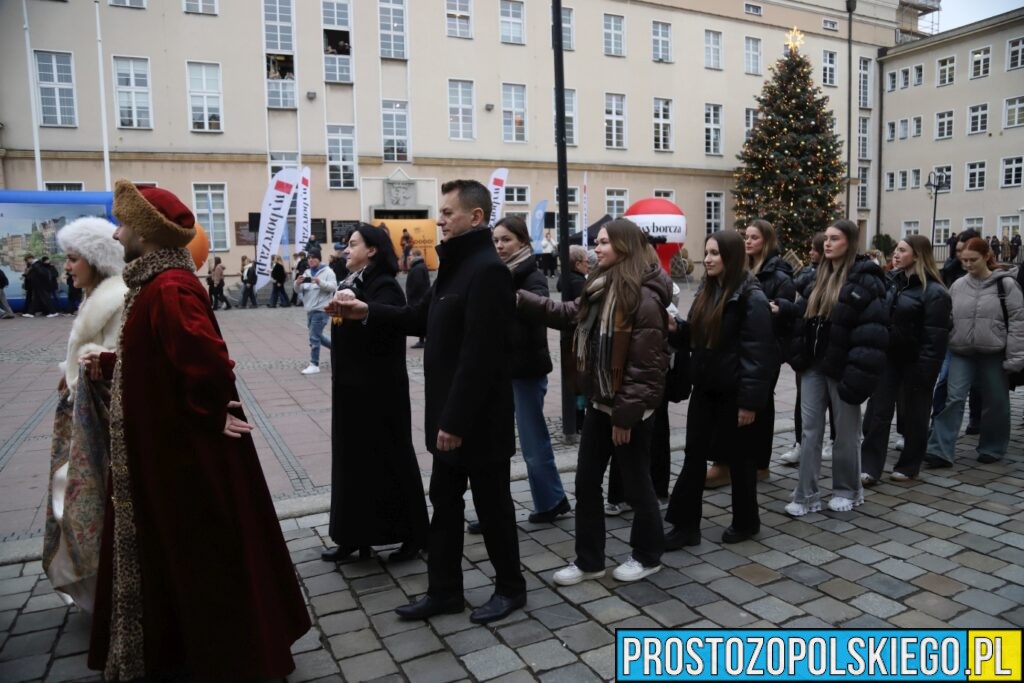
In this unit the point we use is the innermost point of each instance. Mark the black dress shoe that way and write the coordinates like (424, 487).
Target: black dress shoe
(408, 551)
(987, 459)
(934, 462)
(972, 428)
(343, 553)
(732, 535)
(498, 607)
(678, 538)
(428, 606)
(551, 515)
(474, 527)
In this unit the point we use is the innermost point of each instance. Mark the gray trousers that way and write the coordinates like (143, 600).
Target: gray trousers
(5, 308)
(815, 392)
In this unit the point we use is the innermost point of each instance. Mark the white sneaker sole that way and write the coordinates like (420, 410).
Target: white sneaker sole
(647, 571)
(797, 510)
(846, 505)
(578, 578)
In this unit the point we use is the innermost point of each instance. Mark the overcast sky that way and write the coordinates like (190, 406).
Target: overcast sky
(959, 12)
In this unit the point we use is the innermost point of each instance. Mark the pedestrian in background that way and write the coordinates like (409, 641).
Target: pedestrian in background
(216, 284)
(5, 308)
(248, 283)
(316, 287)
(278, 276)
(417, 285)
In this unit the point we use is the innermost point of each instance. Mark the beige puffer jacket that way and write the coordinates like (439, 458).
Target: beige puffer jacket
(978, 318)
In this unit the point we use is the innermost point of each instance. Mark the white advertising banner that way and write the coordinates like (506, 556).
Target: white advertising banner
(497, 188)
(274, 220)
(302, 224)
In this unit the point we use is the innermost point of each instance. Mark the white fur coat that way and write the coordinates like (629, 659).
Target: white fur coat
(96, 326)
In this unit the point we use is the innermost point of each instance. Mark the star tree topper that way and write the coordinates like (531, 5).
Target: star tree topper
(794, 39)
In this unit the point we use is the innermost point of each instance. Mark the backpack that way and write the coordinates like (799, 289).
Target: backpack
(250, 275)
(1016, 379)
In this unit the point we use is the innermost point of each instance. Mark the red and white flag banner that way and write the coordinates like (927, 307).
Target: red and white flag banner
(274, 220)
(497, 187)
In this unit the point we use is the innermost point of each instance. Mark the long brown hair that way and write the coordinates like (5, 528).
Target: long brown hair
(770, 246)
(831, 276)
(924, 263)
(707, 310)
(626, 274)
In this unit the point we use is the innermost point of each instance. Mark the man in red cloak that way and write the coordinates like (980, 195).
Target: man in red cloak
(194, 577)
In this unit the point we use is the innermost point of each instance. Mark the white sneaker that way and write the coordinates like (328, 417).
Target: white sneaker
(631, 570)
(52, 315)
(899, 476)
(900, 443)
(841, 504)
(311, 369)
(571, 575)
(799, 509)
(27, 315)
(791, 457)
(867, 480)
(826, 452)
(615, 509)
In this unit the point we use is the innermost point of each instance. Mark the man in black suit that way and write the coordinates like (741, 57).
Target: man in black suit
(465, 317)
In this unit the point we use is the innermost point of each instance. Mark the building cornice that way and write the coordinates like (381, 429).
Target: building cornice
(991, 24)
(449, 162)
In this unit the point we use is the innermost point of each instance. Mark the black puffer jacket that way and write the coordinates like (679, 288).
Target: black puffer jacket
(852, 344)
(920, 319)
(804, 280)
(528, 340)
(747, 358)
(776, 280)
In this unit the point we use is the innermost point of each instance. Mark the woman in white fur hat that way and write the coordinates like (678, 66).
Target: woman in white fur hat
(81, 429)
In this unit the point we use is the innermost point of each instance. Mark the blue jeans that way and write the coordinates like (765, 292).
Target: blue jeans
(535, 442)
(985, 372)
(316, 320)
(939, 396)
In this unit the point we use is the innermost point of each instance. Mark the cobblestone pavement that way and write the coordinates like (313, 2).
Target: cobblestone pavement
(946, 550)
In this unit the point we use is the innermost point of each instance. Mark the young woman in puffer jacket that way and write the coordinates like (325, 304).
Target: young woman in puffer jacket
(839, 345)
(621, 354)
(734, 365)
(984, 349)
(919, 322)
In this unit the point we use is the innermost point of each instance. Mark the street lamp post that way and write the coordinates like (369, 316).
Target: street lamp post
(937, 181)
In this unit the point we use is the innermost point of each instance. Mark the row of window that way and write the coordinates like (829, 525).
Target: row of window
(977, 121)
(975, 175)
(1008, 226)
(980, 64)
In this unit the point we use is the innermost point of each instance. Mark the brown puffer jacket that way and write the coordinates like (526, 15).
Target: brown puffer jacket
(643, 382)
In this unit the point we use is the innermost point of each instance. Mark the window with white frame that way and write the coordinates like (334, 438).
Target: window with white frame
(946, 71)
(512, 29)
(661, 41)
(395, 129)
(946, 171)
(890, 181)
(574, 222)
(568, 29)
(341, 157)
(337, 41)
(662, 124)
(864, 68)
(280, 93)
(863, 137)
(863, 175)
(941, 230)
(712, 50)
(282, 160)
(458, 18)
(830, 24)
(570, 116)
(904, 78)
(904, 128)
(460, 110)
(64, 187)
(752, 55)
(615, 202)
(525, 215)
(136, 4)
(665, 194)
(337, 68)
(614, 121)
(890, 131)
(131, 75)
(828, 67)
(277, 25)
(750, 117)
(943, 125)
(209, 202)
(918, 74)
(1009, 226)
(572, 192)
(713, 202)
(335, 13)
(890, 81)
(712, 129)
(975, 175)
(751, 8)
(915, 178)
(975, 223)
(517, 194)
(917, 126)
(391, 15)
(1015, 53)
(513, 112)
(1013, 170)
(201, 6)
(1014, 112)
(981, 60)
(977, 119)
(614, 44)
(55, 77)
(908, 228)
(904, 178)
(204, 97)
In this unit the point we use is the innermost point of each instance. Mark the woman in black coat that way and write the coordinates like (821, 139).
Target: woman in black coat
(920, 312)
(376, 492)
(734, 363)
(417, 284)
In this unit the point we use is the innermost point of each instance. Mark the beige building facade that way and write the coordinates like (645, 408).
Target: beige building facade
(208, 97)
(954, 110)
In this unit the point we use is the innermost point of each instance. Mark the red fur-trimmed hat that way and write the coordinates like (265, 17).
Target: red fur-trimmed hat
(153, 214)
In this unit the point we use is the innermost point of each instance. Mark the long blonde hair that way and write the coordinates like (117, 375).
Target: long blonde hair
(831, 276)
(625, 275)
(924, 263)
(770, 246)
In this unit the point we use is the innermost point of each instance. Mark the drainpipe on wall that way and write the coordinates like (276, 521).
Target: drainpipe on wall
(103, 101)
(851, 7)
(879, 145)
(33, 97)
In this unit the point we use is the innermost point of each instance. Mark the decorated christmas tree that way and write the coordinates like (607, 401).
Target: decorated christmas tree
(792, 172)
